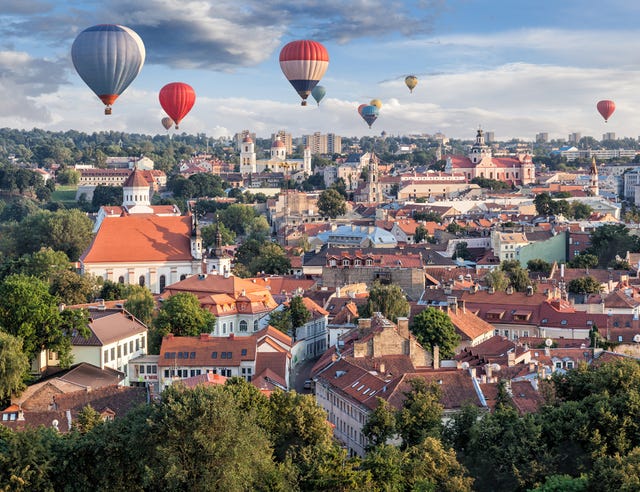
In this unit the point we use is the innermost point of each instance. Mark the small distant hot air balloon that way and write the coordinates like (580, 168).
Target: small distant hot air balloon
(376, 102)
(304, 63)
(108, 58)
(360, 108)
(411, 81)
(177, 99)
(318, 93)
(606, 109)
(166, 122)
(370, 114)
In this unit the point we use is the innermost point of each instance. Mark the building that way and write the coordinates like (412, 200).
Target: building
(542, 137)
(263, 356)
(323, 144)
(277, 161)
(139, 246)
(479, 163)
(241, 307)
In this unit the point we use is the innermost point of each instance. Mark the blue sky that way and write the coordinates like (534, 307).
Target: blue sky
(513, 67)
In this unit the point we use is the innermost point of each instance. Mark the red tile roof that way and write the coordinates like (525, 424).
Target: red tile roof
(141, 238)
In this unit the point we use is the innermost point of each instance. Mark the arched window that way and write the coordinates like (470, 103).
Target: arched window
(243, 325)
(255, 325)
(121, 279)
(141, 281)
(183, 276)
(163, 282)
(224, 328)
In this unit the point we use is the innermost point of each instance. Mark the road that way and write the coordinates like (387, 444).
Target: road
(300, 374)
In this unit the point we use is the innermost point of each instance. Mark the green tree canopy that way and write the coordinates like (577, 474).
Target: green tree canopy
(14, 366)
(584, 285)
(388, 300)
(331, 203)
(434, 327)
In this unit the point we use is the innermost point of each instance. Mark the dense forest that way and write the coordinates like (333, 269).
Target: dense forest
(586, 437)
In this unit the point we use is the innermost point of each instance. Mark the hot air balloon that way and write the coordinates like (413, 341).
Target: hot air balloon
(177, 99)
(606, 109)
(166, 122)
(318, 93)
(304, 63)
(108, 58)
(376, 102)
(360, 108)
(370, 114)
(411, 81)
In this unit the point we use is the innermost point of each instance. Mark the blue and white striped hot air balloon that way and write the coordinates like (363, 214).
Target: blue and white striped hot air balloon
(108, 58)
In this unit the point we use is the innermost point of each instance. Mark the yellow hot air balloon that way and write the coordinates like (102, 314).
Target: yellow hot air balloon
(376, 102)
(411, 81)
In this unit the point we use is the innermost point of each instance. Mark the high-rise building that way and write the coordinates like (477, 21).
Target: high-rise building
(323, 144)
(542, 137)
(489, 137)
(574, 137)
(609, 136)
(239, 137)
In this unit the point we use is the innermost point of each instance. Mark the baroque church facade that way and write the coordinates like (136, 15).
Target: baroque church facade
(277, 162)
(479, 163)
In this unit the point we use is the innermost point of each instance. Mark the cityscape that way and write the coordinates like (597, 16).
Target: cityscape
(343, 278)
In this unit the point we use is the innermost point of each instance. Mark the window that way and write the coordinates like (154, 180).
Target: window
(142, 342)
(243, 325)
(141, 281)
(106, 356)
(131, 346)
(125, 349)
(154, 369)
(224, 328)
(113, 353)
(255, 325)
(214, 355)
(141, 369)
(166, 373)
(119, 351)
(121, 279)
(137, 344)
(192, 355)
(558, 365)
(163, 282)
(569, 365)
(243, 352)
(229, 355)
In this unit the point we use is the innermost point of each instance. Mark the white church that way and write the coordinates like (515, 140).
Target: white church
(277, 162)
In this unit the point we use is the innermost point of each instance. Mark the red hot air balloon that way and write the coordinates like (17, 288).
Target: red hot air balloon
(304, 63)
(360, 108)
(606, 108)
(177, 99)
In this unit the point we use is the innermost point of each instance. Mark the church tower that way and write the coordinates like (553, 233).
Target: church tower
(218, 262)
(374, 192)
(136, 194)
(306, 161)
(480, 149)
(247, 156)
(278, 150)
(593, 181)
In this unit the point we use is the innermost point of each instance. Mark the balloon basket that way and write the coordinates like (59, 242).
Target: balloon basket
(107, 110)
(303, 103)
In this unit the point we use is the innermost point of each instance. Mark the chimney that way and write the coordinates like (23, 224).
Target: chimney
(511, 359)
(403, 327)
(232, 336)
(382, 368)
(462, 306)
(364, 323)
(488, 371)
(436, 357)
(168, 336)
(204, 336)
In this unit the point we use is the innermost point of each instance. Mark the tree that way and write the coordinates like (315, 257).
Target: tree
(421, 413)
(539, 265)
(584, 285)
(299, 312)
(331, 203)
(380, 425)
(14, 365)
(389, 300)
(434, 327)
(543, 203)
(420, 235)
(237, 217)
(209, 233)
(68, 176)
(106, 195)
(140, 303)
(29, 311)
(584, 261)
(497, 280)
(281, 319)
(461, 251)
(271, 259)
(611, 240)
(72, 288)
(182, 315)
(563, 483)
(87, 419)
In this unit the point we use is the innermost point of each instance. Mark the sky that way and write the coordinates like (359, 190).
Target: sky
(515, 68)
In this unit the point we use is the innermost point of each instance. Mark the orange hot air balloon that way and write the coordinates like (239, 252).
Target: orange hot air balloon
(606, 108)
(166, 122)
(177, 99)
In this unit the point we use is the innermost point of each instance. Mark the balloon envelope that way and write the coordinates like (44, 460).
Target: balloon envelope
(166, 122)
(606, 108)
(370, 114)
(304, 63)
(360, 108)
(318, 93)
(177, 99)
(411, 81)
(376, 102)
(108, 58)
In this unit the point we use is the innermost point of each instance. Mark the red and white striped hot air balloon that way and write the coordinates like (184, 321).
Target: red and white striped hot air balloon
(304, 63)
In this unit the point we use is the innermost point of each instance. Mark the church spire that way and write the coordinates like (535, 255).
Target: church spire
(593, 182)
